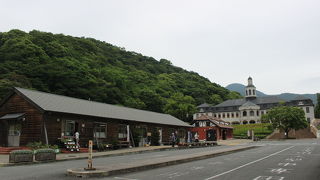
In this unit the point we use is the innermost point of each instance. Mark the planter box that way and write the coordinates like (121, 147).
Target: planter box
(45, 156)
(19, 158)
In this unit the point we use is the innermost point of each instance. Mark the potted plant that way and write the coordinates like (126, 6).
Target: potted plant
(19, 156)
(45, 155)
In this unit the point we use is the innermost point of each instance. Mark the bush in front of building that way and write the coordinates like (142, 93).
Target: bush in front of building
(45, 155)
(19, 156)
(39, 145)
(261, 130)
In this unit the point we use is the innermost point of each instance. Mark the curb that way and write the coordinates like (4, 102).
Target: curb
(95, 157)
(79, 158)
(103, 173)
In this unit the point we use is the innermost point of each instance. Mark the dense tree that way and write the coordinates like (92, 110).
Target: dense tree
(286, 118)
(215, 99)
(90, 69)
(317, 109)
(180, 106)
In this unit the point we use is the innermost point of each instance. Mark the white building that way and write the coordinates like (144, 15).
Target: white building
(251, 108)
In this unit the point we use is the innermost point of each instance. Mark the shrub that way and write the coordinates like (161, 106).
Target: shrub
(40, 145)
(260, 130)
(44, 151)
(21, 152)
(19, 156)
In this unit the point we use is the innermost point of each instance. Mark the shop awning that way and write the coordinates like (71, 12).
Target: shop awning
(12, 116)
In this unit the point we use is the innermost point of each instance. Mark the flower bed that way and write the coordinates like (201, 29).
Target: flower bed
(19, 156)
(45, 155)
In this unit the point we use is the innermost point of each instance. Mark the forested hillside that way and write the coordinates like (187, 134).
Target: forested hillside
(90, 69)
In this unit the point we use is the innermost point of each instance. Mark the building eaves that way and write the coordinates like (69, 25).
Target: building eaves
(64, 104)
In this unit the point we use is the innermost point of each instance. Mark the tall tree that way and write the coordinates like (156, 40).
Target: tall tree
(286, 118)
(180, 106)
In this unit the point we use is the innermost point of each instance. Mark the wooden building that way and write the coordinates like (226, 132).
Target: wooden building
(30, 116)
(211, 129)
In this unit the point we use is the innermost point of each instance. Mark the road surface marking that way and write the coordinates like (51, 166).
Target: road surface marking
(268, 178)
(196, 168)
(280, 170)
(252, 162)
(294, 159)
(287, 164)
(124, 178)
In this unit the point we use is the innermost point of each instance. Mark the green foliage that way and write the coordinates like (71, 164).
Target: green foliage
(286, 118)
(215, 99)
(38, 151)
(21, 152)
(317, 108)
(40, 145)
(90, 69)
(261, 130)
(180, 106)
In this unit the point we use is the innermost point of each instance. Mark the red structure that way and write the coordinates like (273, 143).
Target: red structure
(211, 129)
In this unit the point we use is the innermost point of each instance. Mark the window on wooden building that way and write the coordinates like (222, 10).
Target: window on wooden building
(123, 133)
(100, 130)
(70, 128)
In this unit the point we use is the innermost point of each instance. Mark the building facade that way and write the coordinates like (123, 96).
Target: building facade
(211, 129)
(249, 110)
(32, 116)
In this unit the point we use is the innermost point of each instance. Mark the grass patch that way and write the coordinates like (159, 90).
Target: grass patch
(260, 130)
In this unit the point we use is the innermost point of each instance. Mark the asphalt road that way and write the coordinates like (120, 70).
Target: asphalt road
(276, 160)
(57, 170)
(281, 160)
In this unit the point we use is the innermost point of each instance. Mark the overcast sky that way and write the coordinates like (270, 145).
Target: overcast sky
(277, 42)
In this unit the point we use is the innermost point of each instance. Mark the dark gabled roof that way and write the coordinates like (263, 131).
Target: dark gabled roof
(257, 101)
(300, 98)
(204, 105)
(232, 102)
(64, 104)
(248, 104)
(216, 121)
(268, 100)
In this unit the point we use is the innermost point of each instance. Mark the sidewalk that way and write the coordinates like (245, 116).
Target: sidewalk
(4, 159)
(234, 142)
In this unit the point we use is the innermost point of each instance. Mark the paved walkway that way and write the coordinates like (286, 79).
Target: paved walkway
(234, 142)
(4, 159)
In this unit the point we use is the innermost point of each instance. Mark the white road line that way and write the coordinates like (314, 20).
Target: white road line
(218, 175)
(124, 178)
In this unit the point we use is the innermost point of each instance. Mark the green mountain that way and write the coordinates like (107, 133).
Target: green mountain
(285, 96)
(91, 69)
(240, 88)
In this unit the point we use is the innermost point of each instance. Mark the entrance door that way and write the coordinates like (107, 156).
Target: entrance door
(14, 134)
(224, 134)
(211, 135)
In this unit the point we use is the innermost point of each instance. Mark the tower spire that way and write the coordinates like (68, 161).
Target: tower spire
(250, 90)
